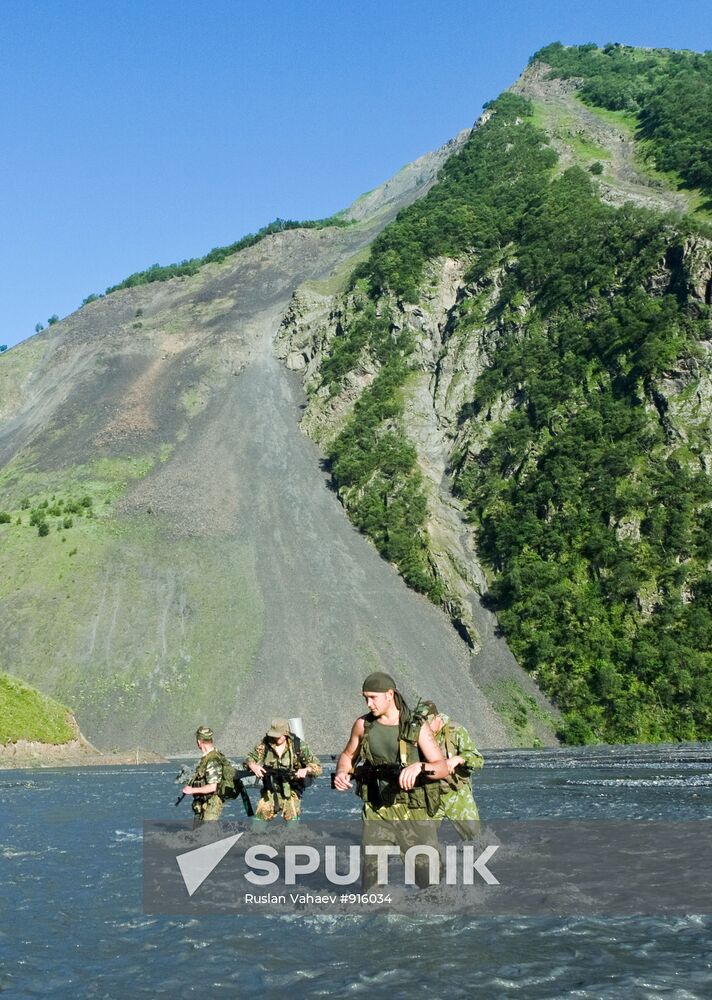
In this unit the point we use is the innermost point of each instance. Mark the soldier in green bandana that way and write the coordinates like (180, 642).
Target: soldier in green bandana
(283, 762)
(457, 802)
(207, 803)
(402, 768)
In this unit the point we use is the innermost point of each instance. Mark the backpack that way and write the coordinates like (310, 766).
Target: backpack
(228, 786)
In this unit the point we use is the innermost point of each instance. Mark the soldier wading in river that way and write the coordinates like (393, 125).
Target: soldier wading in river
(399, 779)
(283, 762)
(207, 779)
(456, 802)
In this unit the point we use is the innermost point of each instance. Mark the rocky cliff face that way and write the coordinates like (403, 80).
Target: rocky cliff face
(446, 368)
(196, 566)
(306, 334)
(455, 329)
(683, 398)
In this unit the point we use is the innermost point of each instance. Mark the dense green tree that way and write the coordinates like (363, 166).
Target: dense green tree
(596, 533)
(669, 92)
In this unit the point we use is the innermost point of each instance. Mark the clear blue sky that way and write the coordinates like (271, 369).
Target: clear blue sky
(143, 131)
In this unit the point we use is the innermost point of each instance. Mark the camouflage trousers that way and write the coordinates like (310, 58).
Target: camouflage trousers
(272, 804)
(396, 826)
(460, 808)
(207, 810)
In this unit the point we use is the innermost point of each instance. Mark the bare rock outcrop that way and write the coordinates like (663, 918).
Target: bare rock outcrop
(218, 579)
(449, 355)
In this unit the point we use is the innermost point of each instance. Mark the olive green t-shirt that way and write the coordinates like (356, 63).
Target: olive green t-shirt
(383, 743)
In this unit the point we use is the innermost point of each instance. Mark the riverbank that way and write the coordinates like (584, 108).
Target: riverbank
(37, 731)
(78, 752)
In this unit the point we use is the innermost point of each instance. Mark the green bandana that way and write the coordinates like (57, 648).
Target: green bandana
(378, 682)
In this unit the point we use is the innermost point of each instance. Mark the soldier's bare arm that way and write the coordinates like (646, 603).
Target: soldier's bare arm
(345, 764)
(437, 765)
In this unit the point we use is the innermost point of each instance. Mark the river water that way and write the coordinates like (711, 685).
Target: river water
(72, 920)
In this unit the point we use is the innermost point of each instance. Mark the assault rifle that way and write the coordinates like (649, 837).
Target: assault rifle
(279, 776)
(232, 790)
(379, 779)
(184, 777)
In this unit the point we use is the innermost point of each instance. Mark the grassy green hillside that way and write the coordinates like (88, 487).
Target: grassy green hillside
(593, 508)
(669, 94)
(169, 554)
(25, 714)
(90, 579)
(101, 586)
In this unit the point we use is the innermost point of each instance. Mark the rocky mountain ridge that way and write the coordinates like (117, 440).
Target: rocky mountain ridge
(453, 334)
(192, 564)
(448, 364)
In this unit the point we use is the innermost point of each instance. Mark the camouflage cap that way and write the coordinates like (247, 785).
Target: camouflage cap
(204, 734)
(429, 709)
(278, 727)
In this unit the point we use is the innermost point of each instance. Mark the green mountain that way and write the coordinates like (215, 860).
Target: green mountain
(171, 552)
(506, 357)
(514, 387)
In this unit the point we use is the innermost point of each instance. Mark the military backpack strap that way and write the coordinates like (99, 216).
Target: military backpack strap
(364, 749)
(296, 750)
(226, 784)
(409, 727)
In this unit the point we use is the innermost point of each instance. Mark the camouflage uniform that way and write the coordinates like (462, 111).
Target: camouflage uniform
(287, 800)
(457, 803)
(401, 826)
(401, 818)
(209, 771)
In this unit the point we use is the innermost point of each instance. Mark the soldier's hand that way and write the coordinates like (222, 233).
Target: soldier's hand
(342, 782)
(453, 763)
(302, 772)
(187, 790)
(257, 769)
(408, 776)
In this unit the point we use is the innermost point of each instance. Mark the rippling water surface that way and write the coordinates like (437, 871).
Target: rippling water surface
(72, 923)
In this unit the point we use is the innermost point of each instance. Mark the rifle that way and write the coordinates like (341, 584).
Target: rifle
(382, 781)
(384, 772)
(280, 775)
(378, 778)
(186, 776)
